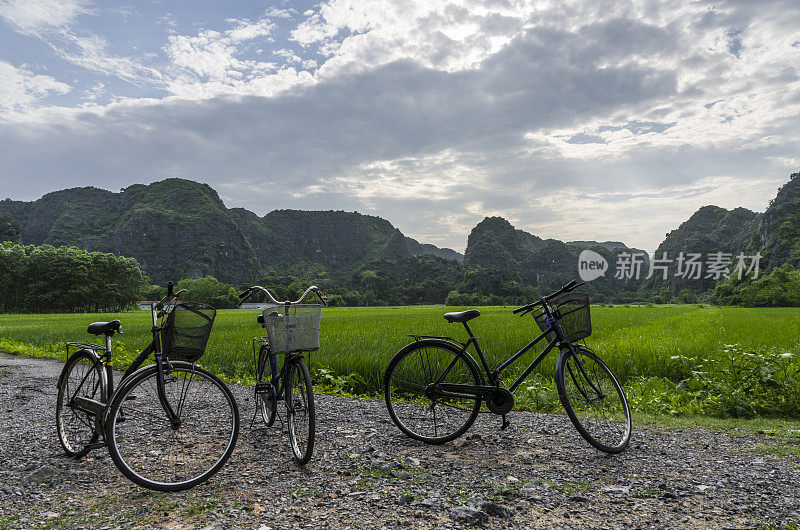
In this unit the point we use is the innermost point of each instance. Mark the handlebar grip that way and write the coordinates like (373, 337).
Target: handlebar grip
(571, 284)
(169, 288)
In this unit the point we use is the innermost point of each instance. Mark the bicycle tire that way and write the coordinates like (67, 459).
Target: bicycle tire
(300, 410)
(267, 403)
(593, 399)
(152, 453)
(77, 430)
(410, 374)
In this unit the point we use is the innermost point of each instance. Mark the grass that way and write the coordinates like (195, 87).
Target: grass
(636, 341)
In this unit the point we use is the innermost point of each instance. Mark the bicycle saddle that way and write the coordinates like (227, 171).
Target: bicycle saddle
(104, 328)
(462, 316)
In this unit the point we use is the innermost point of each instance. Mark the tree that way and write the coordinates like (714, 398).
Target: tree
(60, 279)
(8, 230)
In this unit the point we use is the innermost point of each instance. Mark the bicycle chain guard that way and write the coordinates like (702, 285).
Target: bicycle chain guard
(501, 401)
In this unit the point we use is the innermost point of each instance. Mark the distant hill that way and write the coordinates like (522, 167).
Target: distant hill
(610, 245)
(709, 230)
(778, 232)
(500, 259)
(174, 228)
(178, 228)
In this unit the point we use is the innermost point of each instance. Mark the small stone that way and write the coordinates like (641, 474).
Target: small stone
(496, 510)
(431, 502)
(468, 515)
(405, 499)
(42, 474)
(578, 498)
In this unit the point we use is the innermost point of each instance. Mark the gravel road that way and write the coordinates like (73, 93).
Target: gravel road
(365, 474)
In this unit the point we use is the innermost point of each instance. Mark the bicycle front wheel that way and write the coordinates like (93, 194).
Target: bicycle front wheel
(412, 391)
(300, 410)
(155, 453)
(82, 376)
(593, 399)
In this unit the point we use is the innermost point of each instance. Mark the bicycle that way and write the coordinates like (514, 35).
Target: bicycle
(170, 425)
(290, 333)
(434, 389)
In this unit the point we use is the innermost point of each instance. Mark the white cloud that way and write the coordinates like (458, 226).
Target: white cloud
(246, 30)
(21, 89)
(33, 16)
(274, 12)
(211, 63)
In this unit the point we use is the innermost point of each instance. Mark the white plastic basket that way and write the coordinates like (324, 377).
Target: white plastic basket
(293, 328)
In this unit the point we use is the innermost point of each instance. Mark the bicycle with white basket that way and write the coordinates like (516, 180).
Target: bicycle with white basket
(292, 329)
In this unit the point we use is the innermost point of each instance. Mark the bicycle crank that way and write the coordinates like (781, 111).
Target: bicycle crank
(501, 401)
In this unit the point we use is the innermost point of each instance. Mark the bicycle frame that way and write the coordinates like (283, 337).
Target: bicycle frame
(276, 381)
(106, 359)
(493, 376)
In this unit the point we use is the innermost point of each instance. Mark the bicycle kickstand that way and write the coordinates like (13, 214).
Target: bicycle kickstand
(505, 424)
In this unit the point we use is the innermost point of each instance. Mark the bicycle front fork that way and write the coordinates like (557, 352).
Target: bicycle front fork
(174, 420)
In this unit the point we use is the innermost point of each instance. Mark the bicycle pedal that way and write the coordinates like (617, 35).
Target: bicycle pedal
(262, 387)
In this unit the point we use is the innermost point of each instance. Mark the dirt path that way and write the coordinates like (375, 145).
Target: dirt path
(365, 474)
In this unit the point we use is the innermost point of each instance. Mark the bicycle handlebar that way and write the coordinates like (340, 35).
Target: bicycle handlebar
(572, 285)
(250, 291)
(170, 297)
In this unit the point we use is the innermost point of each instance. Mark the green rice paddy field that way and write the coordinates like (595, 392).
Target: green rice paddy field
(652, 349)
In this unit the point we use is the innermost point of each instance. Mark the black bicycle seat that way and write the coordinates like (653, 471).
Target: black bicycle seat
(462, 316)
(104, 328)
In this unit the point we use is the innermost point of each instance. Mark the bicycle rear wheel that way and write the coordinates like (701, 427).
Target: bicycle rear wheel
(414, 401)
(300, 410)
(151, 451)
(82, 376)
(593, 399)
(266, 397)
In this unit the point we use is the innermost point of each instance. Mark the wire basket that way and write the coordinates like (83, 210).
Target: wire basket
(293, 328)
(572, 312)
(185, 333)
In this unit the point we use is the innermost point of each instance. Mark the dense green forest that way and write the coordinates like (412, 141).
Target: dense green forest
(181, 230)
(48, 279)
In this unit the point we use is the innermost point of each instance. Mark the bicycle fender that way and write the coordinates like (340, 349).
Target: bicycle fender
(124, 382)
(444, 342)
(95, 359)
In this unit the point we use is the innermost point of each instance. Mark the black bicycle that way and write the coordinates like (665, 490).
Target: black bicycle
(170, 425)
(434, 388)
(292, 329)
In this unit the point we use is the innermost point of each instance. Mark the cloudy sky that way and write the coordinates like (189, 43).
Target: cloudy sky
(573, 119)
